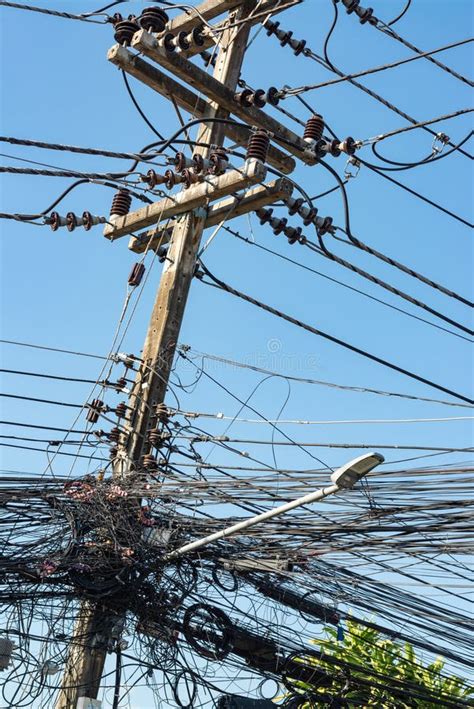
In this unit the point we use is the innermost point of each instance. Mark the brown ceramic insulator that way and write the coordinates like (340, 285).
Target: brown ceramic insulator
(199, 163)
(153, 178)
(155, 438)
(323, 225)
(172, 179)
(310, 217)
(55, 221)
(153, 19)
(124, 31)
(169, 42)
(272, 96)
(88, 221)
(258, 146)
(189, 177)
(71, 221)
(294, 205)
(264, 215)
(121, 204)
(219, 161)
(149, 462)
(114, 434)
(121, 383)
(245, 97)
(162, 413)
(314, 128)
(181, 162)
(278, 225)
(196, 36)
(335, 148)
(136, 274)
(95, 408)
(348, 146)
(182, 41)
(293, 234)
(121, 410)
(259, 98)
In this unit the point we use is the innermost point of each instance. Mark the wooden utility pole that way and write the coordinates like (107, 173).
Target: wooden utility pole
(89, 644)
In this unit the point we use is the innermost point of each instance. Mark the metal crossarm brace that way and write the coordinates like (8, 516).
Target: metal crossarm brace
(228, 208)
(189, 101)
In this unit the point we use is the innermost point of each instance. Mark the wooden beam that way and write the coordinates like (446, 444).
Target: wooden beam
(212, 8)
(228, 208)
(151, 383)
(213, 187)
(188, 101)
(149, 45)
(207, 10)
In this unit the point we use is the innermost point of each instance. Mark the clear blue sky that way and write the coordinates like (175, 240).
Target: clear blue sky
(66, 290)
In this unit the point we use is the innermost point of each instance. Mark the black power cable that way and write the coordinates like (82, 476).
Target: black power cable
(299, 323)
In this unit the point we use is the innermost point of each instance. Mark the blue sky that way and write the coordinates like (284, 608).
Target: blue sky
(66, 290)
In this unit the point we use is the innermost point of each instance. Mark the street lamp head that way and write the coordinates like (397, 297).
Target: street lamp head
(352, 472)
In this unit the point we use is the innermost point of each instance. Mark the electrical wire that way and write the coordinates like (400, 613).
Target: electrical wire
(229, 289)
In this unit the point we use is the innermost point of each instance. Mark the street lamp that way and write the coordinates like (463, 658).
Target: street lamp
(343, 478)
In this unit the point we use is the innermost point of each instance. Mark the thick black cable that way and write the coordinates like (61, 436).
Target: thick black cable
(401, 14)
(344, 285)
(426, 161)
(373, 70)
(44, 428)
(229, 289)
(54, 13)
(140, 110)
(326, 61)
(387, 259)
(42, 401)
(322, 249)
(52, 349)
(52, 376)
(387, 30)
(417, 194)
(69, 148)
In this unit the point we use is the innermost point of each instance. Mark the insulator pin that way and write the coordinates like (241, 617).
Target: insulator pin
(121, 203)
(153, 19)
(136, 275)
